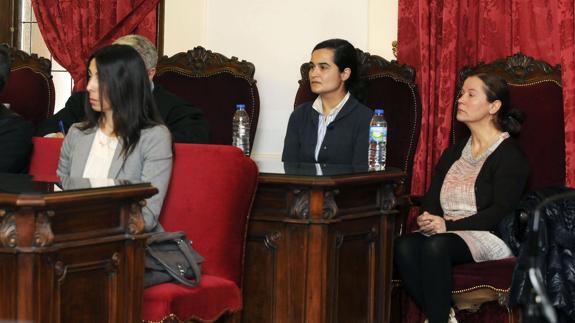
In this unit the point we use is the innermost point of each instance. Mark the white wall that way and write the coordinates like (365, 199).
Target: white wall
(277, 36)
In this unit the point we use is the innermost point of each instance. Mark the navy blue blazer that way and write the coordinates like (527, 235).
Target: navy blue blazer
(346, 140)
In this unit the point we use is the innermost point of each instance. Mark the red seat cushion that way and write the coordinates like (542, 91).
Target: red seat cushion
(496, 273)
(44, 159)
(211, 298)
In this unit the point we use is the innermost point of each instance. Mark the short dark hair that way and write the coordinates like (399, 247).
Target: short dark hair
(508, 118)
(4, 65)
(123, 79)
(345, 56)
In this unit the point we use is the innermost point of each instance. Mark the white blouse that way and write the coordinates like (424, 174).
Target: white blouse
(101, 155)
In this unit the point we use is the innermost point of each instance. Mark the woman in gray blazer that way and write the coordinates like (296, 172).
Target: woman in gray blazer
(123, 136)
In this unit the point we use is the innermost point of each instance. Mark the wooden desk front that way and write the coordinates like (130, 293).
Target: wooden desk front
(319, 248)
(71, 256)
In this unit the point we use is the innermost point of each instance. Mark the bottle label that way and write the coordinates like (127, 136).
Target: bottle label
(377, 134)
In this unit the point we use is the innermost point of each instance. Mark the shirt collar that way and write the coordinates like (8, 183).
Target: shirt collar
(318, 106)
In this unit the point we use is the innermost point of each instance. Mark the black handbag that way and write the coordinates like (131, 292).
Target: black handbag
(170, 257)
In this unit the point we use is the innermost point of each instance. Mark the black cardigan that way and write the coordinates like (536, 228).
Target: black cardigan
(346, 140)
(15, 142)
(498, 187)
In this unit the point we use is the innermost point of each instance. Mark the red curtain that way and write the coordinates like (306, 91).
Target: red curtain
(73, 29)
(438, 37)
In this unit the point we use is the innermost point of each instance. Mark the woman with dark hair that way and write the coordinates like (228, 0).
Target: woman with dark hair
(333, 129)
(476, 183)
(122, 137)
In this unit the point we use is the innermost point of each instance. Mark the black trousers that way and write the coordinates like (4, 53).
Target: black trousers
(425, 265)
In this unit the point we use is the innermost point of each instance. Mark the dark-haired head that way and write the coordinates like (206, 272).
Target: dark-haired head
(124, 87)
(4, 65)
(507, 118)
(345, 56)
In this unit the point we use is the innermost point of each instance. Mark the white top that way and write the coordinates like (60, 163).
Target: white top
(324, 121)
(101, 155)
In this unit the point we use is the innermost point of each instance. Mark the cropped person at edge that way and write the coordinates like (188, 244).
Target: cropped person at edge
(15, 132)
(186, 122)
(476, 183)
(123, 136)
(333, 129)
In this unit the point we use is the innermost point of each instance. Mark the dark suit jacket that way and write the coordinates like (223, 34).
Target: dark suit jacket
(15, 142)
(346, 140)
(186, 123)
(498, 187)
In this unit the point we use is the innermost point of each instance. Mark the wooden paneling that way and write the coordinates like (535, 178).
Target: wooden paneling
(319, 249)
(73, 256)
(9, 22)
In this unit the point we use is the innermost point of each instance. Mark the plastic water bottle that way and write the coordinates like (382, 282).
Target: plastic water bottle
(241, 129)
(377, 141)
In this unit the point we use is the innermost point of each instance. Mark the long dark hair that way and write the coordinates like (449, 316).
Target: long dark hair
(123, 79)
(345, 56)
(508, 118)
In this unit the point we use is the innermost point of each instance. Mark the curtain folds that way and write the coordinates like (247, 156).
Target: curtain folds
(439, 37)
(74, 29)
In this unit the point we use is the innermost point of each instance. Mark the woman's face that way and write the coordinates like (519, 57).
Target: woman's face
(93, 88)
(324, 76)
(472, 105)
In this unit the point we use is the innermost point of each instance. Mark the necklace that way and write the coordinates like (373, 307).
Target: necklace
(105, 141)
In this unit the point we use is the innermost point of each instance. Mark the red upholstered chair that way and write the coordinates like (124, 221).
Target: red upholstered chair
(390, 86)
(209, 197)
(29, 90)
(215, 84)
(535, 88)
(44, 159)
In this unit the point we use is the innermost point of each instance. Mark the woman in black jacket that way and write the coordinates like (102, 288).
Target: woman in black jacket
(333, 129)
(476, 183)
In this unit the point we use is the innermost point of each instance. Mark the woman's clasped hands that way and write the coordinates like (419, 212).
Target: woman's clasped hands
(430, 224)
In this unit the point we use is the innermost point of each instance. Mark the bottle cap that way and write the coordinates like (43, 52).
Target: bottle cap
(378, 111)
(240, 106)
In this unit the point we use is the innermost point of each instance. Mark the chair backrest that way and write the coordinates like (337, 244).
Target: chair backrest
(44, 159)
(390, 86)
(30, 89)
(210, 197)
(535, 89)
(215, 84)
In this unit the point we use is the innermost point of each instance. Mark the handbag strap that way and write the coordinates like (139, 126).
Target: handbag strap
(189, 258)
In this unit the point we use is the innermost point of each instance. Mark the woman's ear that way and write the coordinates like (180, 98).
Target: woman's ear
(494, 107)
(345, 74)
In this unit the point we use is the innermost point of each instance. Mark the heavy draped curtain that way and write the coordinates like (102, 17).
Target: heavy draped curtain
(439, 37)
(73, 29)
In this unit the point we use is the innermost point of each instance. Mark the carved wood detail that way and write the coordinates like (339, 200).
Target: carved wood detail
(7, 229)
(387, 197)
(271, 239)
(136, 220)
(21, 59)
(374, 66)
(111, 265)
(202, 62)
(329, 206)
(299, 208)
(43, 235)
(515, 69)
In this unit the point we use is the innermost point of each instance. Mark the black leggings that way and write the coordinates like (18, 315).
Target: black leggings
(425, 266)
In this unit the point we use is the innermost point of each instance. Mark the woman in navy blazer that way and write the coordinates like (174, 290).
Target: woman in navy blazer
(123, 136)
(334, 129)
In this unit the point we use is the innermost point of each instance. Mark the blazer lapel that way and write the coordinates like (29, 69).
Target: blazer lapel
(117, 162)
(82, 151)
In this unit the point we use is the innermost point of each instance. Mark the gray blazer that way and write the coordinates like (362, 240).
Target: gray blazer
(150, 161)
